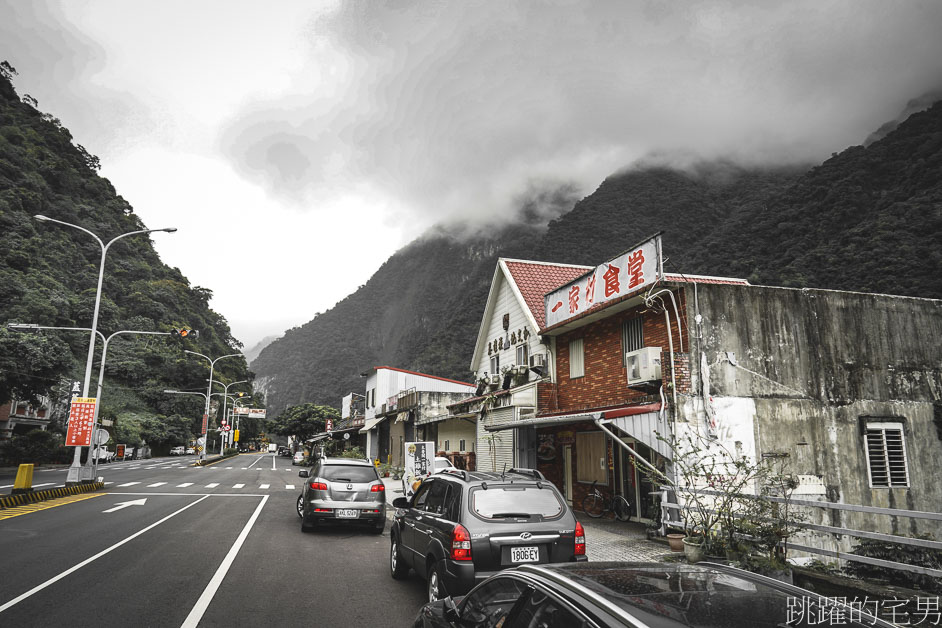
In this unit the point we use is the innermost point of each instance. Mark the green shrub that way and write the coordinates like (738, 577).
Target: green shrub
(897, 552)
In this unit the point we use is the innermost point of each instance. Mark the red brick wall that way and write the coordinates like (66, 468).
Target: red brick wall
(604, 384)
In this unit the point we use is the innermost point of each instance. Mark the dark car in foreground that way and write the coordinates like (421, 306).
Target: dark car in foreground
(461, 527)
(600, 594)
(343, 491)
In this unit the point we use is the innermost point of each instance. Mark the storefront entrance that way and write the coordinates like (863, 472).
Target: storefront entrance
(636, 485)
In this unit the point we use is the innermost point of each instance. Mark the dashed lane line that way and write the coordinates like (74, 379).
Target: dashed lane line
(155, 484)
(289, 487)
(264, 485)
(127, 484)
(212, 485)
(238, 486)
(185, 484)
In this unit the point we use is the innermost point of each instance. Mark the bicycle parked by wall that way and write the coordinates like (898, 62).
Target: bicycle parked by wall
(595, 504)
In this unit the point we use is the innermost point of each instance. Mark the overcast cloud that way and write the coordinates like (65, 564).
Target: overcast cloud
(307, 143)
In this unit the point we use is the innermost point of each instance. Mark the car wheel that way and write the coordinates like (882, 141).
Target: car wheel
(301, 506)
(436, 588)
(379, 526)
(397, 567)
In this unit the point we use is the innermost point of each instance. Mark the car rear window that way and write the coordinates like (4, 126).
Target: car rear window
(348, 473)
(510, 502)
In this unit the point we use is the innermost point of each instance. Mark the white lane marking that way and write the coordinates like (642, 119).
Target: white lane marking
(229, 467)
(193, 619)
(238, 486)
(289, 487)
(273, 463)
(43, 484)
(212, 485)
(264, 485)
(244, 468)
(256, 461)
(107, 483)
(155, 484)
(65, 573)
(6, 486)
(127, 484)
(185, 484)
(121, 505)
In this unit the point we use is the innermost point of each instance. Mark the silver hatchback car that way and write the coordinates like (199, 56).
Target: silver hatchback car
(342, 490)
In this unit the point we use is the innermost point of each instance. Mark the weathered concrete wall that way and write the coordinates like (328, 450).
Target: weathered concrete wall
(816, 364)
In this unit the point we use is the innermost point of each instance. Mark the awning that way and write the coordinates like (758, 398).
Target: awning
(341, 430)
(317, 437)
(576, 418)
(544, 421)
(372, 423)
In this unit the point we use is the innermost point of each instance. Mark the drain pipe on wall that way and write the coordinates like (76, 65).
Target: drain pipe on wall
(649, 302)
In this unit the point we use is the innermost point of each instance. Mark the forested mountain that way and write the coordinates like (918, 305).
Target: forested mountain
(868, 219)
(49, 274)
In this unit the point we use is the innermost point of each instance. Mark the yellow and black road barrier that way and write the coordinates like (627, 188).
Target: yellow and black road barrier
(9, 501)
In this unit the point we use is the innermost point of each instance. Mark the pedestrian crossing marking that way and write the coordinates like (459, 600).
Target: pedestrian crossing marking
(127, 484)
(156, 484)
(238, 486)
(289, 487)
(185, 484)
(264, 485)
(212, 485)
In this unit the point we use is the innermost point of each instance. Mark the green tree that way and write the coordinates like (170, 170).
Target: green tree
(304, 421)
(30, 364)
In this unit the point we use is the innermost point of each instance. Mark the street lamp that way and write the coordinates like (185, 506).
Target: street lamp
(209, 391)
(89, 472)
(225, 398)
(74, 474)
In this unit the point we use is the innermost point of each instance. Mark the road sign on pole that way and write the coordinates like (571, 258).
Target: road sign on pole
(235, 438)
(81, 421)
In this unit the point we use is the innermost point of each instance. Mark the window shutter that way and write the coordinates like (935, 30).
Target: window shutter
(576, 358)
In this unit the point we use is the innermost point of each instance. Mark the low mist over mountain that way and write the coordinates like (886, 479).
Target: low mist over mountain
(868, 219)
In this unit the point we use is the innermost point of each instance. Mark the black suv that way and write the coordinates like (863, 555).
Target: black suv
(461, 527)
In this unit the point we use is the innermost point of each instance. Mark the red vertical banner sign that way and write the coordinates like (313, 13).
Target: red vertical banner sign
(81, 422)
(205, 423)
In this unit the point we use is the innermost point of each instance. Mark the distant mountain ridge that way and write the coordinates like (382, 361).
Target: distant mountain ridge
(868, 219)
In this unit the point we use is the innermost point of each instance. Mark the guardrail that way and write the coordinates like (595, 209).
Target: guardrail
(864, 534)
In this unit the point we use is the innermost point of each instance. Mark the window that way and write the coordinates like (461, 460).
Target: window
(591, 457)
(348, 473)
(490, 604)
(421, 495)
(632, 336)
(446, 445)
(435, 503)
(500, 502)
(523, 355)
(543, 610)
(461, 445)
(886, 455)
(452, 502)
(495, 365)
(576, 358)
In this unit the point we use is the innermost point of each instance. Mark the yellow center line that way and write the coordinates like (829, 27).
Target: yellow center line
(26, 509)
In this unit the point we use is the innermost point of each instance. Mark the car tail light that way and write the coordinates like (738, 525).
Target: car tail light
(580, 540)
(323, 510)
(377, 488)
(460, 543)
(318, 486)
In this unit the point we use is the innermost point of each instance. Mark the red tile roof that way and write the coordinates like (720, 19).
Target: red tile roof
(535, 279)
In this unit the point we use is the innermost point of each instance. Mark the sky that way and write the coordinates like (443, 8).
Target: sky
(296, 145)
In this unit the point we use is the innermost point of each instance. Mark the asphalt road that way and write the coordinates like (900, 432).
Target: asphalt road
(214, 546)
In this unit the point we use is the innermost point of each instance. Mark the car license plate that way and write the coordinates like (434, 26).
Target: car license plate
(524, 554)
(347, 514)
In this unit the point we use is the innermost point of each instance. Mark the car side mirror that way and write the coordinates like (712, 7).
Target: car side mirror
(451, 610)
(400, 502)
(304, 474)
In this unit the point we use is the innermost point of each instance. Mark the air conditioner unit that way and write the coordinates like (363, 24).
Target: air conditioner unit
(494, 380)
(522, 369)
(538, 359)
(643, 365)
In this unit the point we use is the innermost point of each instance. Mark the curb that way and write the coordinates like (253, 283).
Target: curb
(10, 501)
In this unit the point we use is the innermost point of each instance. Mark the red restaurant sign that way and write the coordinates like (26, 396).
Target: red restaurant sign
(81, 422)
(631, 271)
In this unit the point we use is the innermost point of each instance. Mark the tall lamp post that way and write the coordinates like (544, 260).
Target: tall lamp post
(75, 471)
(225, 398)
(88, 471)
(209, 392)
